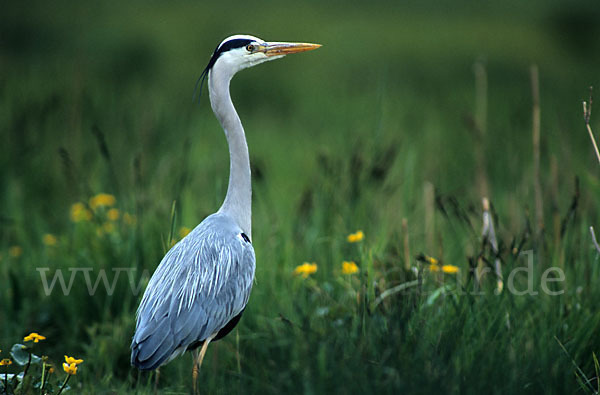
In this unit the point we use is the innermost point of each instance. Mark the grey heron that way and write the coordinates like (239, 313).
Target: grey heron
(202, 285)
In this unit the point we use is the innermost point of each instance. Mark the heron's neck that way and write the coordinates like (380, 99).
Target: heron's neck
(238, 201)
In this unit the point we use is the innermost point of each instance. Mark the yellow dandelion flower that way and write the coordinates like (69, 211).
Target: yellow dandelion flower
(102, 200)
(431, 260)
(49, 239)
(108, 227)
(35, 337)
(70, 368)
(305, 269)
(5, 362)
(450, 269)
(356, 236)
(113, 214)
(51, 370)
(15, 251)
(349, 267)
(71, 360)
(434, 268)
(80, 213)
(184, 231)
(129, 219)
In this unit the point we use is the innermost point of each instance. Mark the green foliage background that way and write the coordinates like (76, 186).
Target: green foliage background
(96, 97)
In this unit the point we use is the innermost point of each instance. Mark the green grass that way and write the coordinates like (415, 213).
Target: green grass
(341, 139)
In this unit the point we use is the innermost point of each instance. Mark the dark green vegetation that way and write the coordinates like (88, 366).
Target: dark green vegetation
(98, 99)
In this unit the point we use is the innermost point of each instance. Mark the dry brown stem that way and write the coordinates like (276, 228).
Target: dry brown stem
(489, 234)
(587, 113)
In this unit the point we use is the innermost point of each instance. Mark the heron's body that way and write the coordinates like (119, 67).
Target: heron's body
(202, 285)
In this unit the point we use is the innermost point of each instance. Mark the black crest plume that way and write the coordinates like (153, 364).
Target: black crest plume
(226, 46)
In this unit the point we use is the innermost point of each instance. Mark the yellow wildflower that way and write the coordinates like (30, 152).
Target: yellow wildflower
(431, 260)
(35, 337)
(183, 231)
(102, 200)
(129, 219)
(305, 269)
(15, 251)
(356, 236)
(434, 268)
(80, 213)
(49, 239)
(113, 214)
(349, 267)
(450, 269)
(51, 370)
(5, 362)
(71, 360)
(70, 369)
(108, 227)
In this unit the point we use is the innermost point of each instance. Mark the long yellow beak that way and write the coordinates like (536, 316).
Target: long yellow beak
(274, 49)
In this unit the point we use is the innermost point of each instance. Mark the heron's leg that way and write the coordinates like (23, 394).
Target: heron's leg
(156, 377)
(198, 358)
(203, 350)
(195, 369)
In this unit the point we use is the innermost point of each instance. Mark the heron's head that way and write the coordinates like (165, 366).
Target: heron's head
(241, 51)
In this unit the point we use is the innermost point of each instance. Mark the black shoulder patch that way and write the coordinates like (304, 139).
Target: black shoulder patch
(226, 46)
(245, 237)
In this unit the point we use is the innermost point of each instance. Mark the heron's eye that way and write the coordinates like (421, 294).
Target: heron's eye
(250, 48)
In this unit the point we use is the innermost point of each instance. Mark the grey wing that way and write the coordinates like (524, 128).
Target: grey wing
(200, 285)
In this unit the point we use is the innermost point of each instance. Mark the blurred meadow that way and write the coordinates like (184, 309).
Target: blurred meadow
(397, 127)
